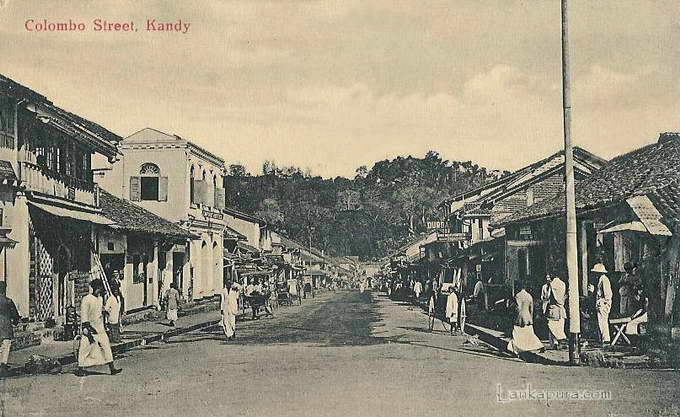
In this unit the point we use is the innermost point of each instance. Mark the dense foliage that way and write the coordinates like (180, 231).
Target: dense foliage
(370, 215)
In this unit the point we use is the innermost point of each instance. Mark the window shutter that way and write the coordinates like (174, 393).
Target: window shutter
(219, 198)
(205, 200)
(135, 189)
(199, 194)
(163, 189)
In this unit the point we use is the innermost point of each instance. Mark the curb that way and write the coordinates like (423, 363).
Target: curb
(125, 346)
(487, 336)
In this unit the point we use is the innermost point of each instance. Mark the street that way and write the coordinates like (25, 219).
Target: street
(340, 354)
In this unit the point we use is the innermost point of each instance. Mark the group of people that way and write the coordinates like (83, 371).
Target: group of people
(553, 299)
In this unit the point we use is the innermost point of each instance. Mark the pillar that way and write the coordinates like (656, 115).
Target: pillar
(583, 247)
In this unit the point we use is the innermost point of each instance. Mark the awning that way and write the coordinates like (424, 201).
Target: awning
(247, 247)
(626, 227)
(72, 214)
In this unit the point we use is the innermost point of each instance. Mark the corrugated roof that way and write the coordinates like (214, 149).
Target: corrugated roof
(131, 217)
(648, 170)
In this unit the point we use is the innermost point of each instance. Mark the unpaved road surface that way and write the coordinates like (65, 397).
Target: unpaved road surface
(340, 354)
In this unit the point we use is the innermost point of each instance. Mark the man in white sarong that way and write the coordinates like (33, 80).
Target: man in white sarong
(555, 312)
(95, 348)
(523, 337)
(229, 309)
(452, 310)
(417, 289)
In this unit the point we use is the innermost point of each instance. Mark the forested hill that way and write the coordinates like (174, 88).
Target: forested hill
(369, 215)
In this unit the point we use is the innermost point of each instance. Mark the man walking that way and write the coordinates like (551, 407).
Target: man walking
(172, 299)
(523, 337)
(9, 316)
(229, 309)
(95, 348)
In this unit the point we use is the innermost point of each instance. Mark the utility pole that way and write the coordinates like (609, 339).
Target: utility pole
(571, 255)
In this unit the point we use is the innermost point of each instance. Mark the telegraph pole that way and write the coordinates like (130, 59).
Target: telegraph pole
(571, 255)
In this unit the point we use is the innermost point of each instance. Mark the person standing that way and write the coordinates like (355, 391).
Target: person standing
(523, 337)
(603, 302)
(172, 300)
(95, 348)
(9, 317)
(627, 286)
(545, 294)
(555, 312)
(479, 294)
(229, 309)
(112, 308)
(452, 310)
(417, 289)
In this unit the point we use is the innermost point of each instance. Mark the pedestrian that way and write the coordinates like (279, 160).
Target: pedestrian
(479, 294)
(555, 311)
(603, 302)
(523, 337)
(112, 309)
(229, 309)
(452, 306)
(545, 294)
(417, 289)
(172, 300)
(95, 348)
(9, 317)
(629, 281)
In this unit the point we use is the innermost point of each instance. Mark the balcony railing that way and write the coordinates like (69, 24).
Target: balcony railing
(44, 181)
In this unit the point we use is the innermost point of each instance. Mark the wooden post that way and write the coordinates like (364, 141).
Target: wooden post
(585, 269)
(571, 247)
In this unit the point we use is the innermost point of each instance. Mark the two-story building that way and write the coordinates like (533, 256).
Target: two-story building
(49, 203)
(184, 183)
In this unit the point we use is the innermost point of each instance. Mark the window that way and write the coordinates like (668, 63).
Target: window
(149, 185)
(7, 113)
(192, 186)
(149, 188)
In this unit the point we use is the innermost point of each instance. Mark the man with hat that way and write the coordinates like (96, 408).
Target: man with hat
(603, 303)
(9, 316)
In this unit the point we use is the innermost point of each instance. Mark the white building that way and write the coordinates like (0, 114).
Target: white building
(184, 183)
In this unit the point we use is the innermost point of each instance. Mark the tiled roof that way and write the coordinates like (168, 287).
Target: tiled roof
(131, 217)
(7, 172)
(648, 170)
(23, 91)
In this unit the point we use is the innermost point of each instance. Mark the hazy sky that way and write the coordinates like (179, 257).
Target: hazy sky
(332, 85)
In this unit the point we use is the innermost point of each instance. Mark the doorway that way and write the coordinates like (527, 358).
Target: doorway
(178, 270)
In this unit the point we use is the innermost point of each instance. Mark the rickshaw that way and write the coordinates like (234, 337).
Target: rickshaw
(288, 292)
(308, 286)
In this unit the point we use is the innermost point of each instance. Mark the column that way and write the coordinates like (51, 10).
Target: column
(583, 247)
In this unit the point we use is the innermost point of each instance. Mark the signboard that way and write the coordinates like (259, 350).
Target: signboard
(452, 237)
(525, 231)
(212, 215)
(648, 215)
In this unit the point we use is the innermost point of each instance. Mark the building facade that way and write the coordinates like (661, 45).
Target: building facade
(49, 202)
(184, 183)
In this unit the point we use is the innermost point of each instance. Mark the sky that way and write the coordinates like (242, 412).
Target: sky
(331, 85)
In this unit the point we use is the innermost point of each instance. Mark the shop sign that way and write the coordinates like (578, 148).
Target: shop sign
(212, 215)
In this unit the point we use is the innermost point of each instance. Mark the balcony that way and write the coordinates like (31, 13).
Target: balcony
(40, 180)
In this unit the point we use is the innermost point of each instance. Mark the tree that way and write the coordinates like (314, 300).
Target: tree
(270, 212)
(238, 170)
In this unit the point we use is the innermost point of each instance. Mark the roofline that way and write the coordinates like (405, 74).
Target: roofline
(588, 156)
(244, 216)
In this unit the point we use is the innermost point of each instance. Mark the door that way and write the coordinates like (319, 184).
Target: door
(62, 267)
(178, 270)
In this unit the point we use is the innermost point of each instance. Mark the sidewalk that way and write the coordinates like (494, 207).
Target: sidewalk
(618, 356)
(133, 335)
